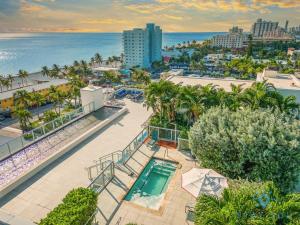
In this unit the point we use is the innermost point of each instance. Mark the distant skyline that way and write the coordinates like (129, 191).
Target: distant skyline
(118, 15)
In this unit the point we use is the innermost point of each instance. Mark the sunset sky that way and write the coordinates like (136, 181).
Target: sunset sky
(117, 15)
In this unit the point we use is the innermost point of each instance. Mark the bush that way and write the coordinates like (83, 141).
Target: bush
(249, 203)
(76, 208)
(255, 145)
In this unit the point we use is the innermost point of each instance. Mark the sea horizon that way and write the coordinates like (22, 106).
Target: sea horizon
(31, 51)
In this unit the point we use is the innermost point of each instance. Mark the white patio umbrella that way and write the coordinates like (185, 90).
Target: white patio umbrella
(203, 181)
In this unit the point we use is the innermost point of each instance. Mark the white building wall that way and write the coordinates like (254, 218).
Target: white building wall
(142, 46)
(136, 48)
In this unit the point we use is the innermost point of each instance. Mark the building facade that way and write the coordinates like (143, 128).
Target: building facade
(260, 27)
(234, 39)
(142, 47)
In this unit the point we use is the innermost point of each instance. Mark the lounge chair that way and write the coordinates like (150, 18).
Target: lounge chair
(190, 211)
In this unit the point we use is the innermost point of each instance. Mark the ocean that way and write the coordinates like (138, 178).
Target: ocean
(31, 51)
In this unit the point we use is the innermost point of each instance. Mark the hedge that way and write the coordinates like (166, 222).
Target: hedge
(76, 208)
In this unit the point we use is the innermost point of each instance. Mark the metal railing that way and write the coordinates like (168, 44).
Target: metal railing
(183, 144)
(15, 145)
(105, 166)
(118, 157)
(164, 134)
(98, 184)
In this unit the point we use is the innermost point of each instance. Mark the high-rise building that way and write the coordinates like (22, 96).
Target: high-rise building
(286, 27)
(142, 46)
(234, 39)
(260, 27)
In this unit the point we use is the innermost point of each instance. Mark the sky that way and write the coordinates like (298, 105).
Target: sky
(118, 15)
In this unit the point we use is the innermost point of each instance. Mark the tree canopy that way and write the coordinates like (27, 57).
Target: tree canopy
(249, 203)
(249, 144)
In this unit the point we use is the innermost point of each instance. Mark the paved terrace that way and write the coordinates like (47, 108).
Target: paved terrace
(36, 197)
(114, 211)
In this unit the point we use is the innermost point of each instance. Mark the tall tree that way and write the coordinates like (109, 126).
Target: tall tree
(37, 100)
(23, 116)
(45, 71)
(11, 80)
(23, 75)
(141, 76)
(22, 99)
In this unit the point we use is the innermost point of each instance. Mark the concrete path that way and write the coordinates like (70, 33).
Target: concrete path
(36, 197)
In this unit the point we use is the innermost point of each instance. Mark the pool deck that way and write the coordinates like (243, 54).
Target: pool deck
(36, 197)
(114, 210)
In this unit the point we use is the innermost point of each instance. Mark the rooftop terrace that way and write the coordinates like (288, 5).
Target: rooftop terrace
(33, 199)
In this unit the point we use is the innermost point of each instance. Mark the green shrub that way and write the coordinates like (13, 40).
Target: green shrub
(28, 136)
(257, 145)
(76, 208)
(249, 204)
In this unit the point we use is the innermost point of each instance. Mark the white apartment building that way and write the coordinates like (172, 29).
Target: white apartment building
(234, 39)
(142, 46)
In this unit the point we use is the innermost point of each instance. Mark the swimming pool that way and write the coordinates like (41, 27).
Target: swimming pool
(149, 189)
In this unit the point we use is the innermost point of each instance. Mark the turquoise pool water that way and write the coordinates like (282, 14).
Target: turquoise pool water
(149, 189)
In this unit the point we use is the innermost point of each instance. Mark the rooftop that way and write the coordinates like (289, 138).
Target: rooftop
(35, 83)
(283, 82)
(40, 194)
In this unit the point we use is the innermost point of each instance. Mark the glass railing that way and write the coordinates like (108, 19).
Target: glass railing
(183, 144)
(106, 175)
(165, 134)
(15, 145)
(118, 157)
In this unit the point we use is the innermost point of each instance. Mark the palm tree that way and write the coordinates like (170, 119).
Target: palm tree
(189, 103)
(2, 82)
(45, 71)
(92, 61)
(6, 83)
(23, 116)
(37, 100)
(98, 58)
(161, 97)
(55, 71)
(249, 203)
(259, 95)
(209, 95)
(23, 75)
(56, 97)
(22, 99)
(11, 80)
(141, 76)
(76, 63)
(76, 84)
(112, 76)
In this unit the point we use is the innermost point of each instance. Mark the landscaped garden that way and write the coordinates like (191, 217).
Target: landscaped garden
(250, 135)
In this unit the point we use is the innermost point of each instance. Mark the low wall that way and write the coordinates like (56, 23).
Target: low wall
(37, 168)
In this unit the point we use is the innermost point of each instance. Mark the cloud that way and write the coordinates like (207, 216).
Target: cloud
(172, 17)
(146, 8)
(105, 21)
(30, 8)
(231, 5)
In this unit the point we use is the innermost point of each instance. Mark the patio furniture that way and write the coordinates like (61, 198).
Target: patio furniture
(203, 181)
(190, 211)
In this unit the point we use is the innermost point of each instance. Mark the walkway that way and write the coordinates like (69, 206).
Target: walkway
(36, 197)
